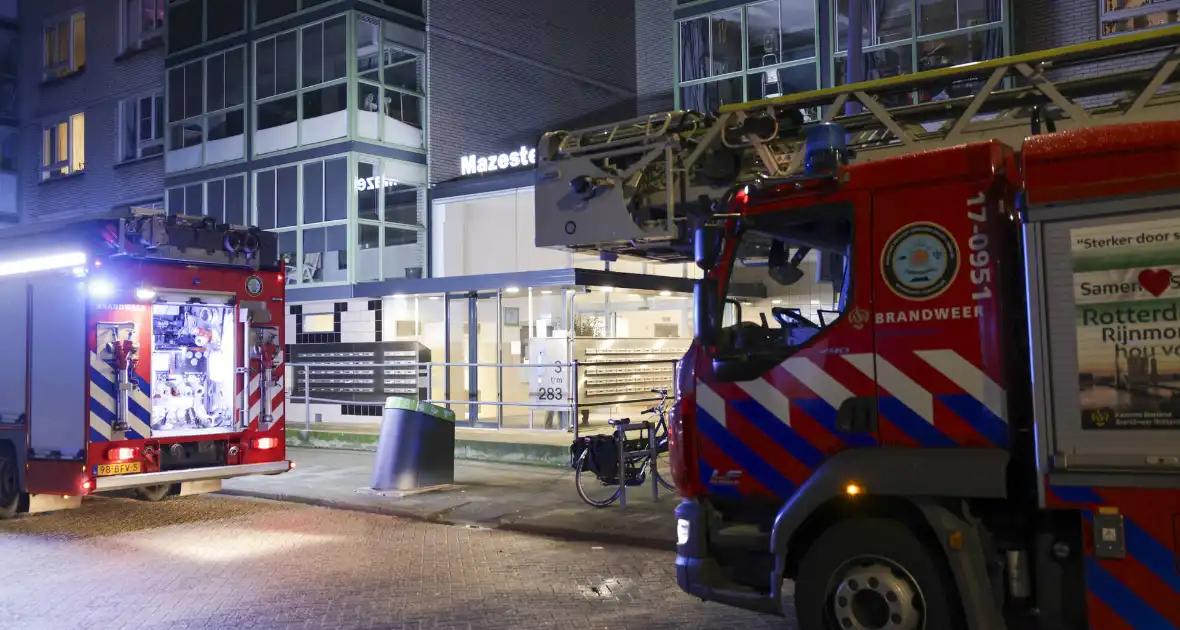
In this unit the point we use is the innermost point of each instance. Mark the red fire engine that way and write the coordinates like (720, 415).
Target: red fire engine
(975, 423)
(141, 353)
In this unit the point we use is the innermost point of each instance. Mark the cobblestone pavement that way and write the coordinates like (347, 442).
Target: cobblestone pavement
(225, 562)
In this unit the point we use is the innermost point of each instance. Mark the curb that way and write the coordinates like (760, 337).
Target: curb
(534, 529)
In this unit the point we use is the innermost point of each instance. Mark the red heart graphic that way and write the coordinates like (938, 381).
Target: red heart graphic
(1156, 281)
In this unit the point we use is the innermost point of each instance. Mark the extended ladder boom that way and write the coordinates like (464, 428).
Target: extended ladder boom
(638, 187)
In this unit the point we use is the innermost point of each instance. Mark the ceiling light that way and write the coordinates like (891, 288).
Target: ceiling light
(512, 290)
(776, 301)
(665, 293)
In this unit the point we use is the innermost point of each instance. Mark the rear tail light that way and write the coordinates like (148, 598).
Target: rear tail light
(121, 454)
(86, 485)
(265, 444)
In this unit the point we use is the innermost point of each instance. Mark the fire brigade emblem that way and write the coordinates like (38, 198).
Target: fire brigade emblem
(254, 286)
(920, 261)
(858, 317)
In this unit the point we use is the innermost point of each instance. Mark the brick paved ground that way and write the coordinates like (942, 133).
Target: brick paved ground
(225, 562)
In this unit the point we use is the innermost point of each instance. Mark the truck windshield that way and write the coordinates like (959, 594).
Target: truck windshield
(790, 277)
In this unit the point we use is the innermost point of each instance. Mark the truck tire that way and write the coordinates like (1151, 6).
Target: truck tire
(873, 573)
(153, 493)
(10, 492)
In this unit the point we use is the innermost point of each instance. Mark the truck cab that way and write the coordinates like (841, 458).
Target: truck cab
(898, 383)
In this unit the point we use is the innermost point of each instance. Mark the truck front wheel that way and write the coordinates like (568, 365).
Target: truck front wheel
(9, 487)
(870, 574)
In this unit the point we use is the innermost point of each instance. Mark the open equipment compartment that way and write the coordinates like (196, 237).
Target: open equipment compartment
(192, 367)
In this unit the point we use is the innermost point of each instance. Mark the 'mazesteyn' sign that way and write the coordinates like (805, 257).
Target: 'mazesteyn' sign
(474, 164)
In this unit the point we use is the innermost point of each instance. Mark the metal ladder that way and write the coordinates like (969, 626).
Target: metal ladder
(636, 187)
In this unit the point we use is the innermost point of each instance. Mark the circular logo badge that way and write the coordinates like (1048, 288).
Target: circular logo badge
(920, 261)
(254, 286)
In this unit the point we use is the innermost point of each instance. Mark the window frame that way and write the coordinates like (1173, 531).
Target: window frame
(1105, 15)
(141, 144)
(827, 44)
(382, 223)
(205, 115)
(204, 38)
(294, 279)
(129, 41)
(70, 66)
(68, 167)
(204, 184)
(300, 90)
(380, 85)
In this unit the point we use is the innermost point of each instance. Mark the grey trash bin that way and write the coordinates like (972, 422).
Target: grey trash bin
(416, 448)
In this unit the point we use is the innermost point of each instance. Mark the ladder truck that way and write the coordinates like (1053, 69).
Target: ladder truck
(975, 428)
(141, 353)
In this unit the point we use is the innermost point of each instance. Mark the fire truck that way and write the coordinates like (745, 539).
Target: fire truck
(971, 420)
(141, 353)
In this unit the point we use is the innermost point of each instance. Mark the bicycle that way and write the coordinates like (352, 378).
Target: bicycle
(595, 459)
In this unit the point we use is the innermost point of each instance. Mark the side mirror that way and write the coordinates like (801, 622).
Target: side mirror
(704, 296)
(706, 244)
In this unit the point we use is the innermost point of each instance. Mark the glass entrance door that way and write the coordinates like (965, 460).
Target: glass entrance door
(473, 355)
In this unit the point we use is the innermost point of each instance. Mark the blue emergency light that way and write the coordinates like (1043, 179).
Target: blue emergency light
(825, 148)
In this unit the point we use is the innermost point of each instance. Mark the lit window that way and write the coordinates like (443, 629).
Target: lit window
(141, 127)
(63, 147)
(65, 46)
(142, 20)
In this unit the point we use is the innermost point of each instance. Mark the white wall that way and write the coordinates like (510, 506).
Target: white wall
(495, 233)
(490, 234)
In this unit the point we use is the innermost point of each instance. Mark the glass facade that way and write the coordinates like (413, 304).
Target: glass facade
(778, 47)
(1119, 17)
(345, 218)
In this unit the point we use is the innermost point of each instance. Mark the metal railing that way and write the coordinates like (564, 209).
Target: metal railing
(574, 403)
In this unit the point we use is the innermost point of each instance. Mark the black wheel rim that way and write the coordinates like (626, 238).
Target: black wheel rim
(868, 608)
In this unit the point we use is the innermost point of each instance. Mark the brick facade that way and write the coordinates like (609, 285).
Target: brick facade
(502, 72)
(97, 91)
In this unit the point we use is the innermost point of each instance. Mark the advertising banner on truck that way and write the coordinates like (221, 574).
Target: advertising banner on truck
(1127, 299)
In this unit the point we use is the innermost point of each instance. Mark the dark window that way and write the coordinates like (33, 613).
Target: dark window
(216, 206)
(287, 242)
(235, 200)
(193, 197)
(409, 6)
(401, 204)
(277, 113)
(325, 101)
(335, 49)
(264, 63)
(235, 81)
(287, 186)
(313, 192)
(266, 200)
(175, 201)
(313, 55)
(215, 82)
(267, 10)
(286, 62)
(184, 25)
(175, 94)
(396, 236)
(336, 189)
(224, 17)
(403, 72)
(186, 135)
(366, 200)
(193, 82)
(227, 125)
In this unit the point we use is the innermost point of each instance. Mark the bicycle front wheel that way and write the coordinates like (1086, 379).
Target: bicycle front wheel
(661, 465)
(590, 488)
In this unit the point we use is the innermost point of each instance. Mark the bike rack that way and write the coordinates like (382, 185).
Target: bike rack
(621, 437)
